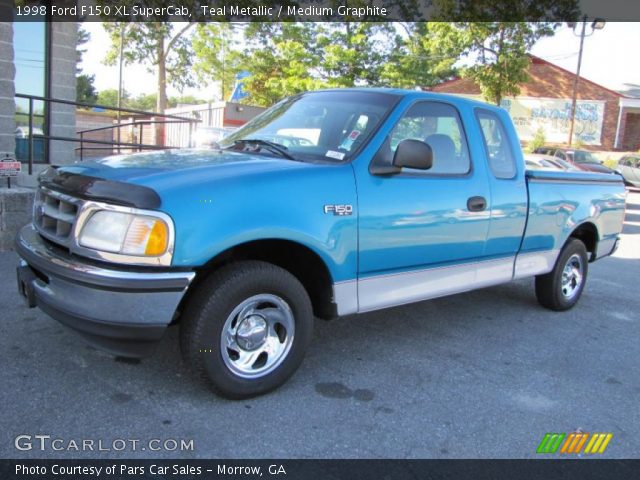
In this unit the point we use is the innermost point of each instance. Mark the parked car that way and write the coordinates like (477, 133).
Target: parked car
(541, 162)
(245, 245)
(629, 168)
(537, 161)
(583, 159)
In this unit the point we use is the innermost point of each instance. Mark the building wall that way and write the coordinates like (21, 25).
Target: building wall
(15, 204)
(89, 120)
(630, 131)
(63, 86)
(7, 91)
(550, 81)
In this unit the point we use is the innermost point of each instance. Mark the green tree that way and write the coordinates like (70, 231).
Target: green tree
(355, 53)
(415, 59)
(109, 97)
(498, 50)
(146, 102)
(162, 46)
(186, 100)
(538, 140)
(218, 55)
(283, 61)
(85, 89)
(281, 58)
(83, 38)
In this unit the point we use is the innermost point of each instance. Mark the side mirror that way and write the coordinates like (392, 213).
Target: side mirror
(413, 154)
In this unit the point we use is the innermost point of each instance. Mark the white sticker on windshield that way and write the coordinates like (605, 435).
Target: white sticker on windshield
(334, 154)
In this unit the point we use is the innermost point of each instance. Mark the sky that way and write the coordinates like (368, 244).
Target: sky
(608, 59)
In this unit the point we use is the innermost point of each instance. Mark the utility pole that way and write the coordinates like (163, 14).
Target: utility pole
(598, 24)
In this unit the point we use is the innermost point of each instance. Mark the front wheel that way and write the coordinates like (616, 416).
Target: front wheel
(561, 288)
(246, 328)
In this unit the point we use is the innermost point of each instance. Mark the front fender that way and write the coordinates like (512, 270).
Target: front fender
(286, 205)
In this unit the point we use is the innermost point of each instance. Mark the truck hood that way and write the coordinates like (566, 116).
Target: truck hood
(155, 169)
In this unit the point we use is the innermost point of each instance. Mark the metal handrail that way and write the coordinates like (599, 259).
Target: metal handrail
(105, 107)
(140, 146)
(143, 122)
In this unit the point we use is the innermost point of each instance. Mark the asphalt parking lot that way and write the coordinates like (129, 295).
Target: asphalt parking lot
(482, 374)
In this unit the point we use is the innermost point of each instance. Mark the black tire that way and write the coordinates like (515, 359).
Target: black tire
(549, 287)
(209, 309)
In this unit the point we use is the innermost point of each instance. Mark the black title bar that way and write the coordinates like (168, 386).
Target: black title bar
(317, 10)
(319, 469)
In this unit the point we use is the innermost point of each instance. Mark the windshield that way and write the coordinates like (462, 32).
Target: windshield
(584, 157)
(315, 126)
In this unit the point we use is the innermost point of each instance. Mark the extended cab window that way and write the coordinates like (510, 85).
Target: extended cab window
(501, 160)
(438, 125)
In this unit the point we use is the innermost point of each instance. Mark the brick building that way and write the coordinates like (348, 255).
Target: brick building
(605, 119)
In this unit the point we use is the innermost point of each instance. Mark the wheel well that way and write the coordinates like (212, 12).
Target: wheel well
(587, 233)
(300, 261)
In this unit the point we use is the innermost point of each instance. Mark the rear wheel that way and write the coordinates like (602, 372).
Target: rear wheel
(246, 328)
(561, 288)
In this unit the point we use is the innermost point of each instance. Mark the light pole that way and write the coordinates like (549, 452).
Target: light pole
(597, 24)
(120, 89)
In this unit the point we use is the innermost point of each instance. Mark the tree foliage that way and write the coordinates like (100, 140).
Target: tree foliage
(498, 51)
(283, 61)
(109, 97)
(417, 59)
(217, 49)
(161, 46)
(85, 89)
(145, 102)
(288, 58)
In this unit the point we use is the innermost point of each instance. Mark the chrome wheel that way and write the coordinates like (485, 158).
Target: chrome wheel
(572, 276)
(257, 336)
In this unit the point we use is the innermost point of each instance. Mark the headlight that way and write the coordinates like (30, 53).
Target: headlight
(125, 233)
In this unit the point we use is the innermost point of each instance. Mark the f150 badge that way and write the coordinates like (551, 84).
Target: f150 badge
(339, 210)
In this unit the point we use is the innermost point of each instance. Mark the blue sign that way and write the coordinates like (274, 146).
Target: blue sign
(238, 90)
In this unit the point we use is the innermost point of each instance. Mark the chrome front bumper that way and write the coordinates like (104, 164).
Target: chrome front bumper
(123, 310)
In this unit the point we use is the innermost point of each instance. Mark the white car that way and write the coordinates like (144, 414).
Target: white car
(535, 161)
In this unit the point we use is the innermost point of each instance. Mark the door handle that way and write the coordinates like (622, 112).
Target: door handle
(476, 204)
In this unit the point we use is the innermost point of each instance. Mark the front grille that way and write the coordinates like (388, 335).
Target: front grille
(55, 215)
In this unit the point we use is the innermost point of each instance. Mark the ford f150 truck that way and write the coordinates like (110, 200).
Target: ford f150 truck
(328, 204)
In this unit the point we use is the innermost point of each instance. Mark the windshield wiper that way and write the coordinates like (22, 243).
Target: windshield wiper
(273, 147)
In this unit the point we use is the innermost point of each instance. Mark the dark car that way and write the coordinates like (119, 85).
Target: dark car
(579, 158)
(629, 168)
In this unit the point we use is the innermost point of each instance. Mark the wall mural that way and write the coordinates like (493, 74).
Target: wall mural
(553, 115)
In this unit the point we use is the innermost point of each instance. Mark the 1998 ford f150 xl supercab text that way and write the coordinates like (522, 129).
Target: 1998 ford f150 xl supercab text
(328, 204)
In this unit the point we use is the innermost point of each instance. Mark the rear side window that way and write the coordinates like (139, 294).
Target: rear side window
(496, 142)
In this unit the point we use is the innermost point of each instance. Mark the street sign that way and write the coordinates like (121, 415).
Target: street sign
(9, 167)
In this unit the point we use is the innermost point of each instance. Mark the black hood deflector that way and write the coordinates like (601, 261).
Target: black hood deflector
(99, 189)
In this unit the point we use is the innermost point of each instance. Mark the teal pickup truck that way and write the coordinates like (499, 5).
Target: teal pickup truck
(328, 204)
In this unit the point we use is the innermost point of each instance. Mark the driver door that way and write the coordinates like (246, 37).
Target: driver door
(421, 232)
